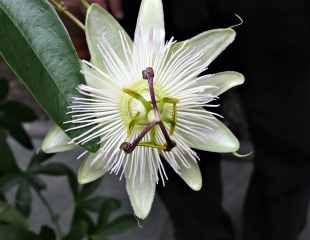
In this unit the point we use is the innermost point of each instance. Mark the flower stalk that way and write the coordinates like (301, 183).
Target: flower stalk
(85, 3)
(60, 6)
(53, 216)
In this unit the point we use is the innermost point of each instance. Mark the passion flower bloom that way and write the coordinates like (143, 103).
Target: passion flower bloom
(145, 100)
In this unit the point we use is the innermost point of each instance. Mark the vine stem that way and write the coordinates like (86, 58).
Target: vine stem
(52, 214)
(85, 3)
(59, 5)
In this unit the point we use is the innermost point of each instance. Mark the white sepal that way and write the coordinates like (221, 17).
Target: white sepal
(88, 171)
(56, 141)
(141, 194)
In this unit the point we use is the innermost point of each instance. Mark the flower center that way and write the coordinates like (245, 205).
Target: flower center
(144, 106)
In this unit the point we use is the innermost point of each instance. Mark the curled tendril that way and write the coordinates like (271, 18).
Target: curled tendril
(241, 21)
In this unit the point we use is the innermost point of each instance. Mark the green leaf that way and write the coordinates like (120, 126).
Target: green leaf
(23, 198)
(99, 237)
(4, 88)
(16, 130)
(93, 204)
(39, 158)
(2, 197)
(74, 185)
(47, 233)
(58, 169)
(9, 180)
(52, 169)
(17, 110)
(7, 160)
(10, 215)
(89, 188)
(80, 226)
(16, 233)
(119, 225)
(107, 208)
(42, 56)
(37, 183)
(78, 232)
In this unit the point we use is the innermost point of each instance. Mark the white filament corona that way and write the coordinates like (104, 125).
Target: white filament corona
(99, 109)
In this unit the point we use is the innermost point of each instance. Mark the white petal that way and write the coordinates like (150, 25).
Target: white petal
(100, 23)
(222, 82)
(220, 139)
(89, 172)
(95, 78)
(191, 175)
(56, 141)
(210, 43)
(187, 166)
(150, 23)
(141, 193)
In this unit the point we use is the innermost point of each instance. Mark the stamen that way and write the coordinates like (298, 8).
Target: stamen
(148, 74)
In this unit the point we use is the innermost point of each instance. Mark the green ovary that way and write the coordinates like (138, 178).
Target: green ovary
(137, 110)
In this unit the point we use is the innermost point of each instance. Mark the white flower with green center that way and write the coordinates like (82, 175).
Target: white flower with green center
(145, 101)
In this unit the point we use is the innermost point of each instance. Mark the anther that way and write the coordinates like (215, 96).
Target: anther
(126, 147)
(148, 73)
(129, 147)
(170, 146)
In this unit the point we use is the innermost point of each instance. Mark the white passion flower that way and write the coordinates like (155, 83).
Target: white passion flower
(145, 101)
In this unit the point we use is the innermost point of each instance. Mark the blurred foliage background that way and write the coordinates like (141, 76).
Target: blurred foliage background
(92, 217)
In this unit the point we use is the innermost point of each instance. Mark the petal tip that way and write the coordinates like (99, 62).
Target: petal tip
(141, 213)
(87, 172)
(197, 186)
(192, 176)
(141, 196)
(240, 79)
(56, 141)
(85, 178)
(234, 145)
(232, 32)
(236, 78)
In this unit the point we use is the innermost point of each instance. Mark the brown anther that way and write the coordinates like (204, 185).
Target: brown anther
(170, 146)
(126, 147)
(148, 73)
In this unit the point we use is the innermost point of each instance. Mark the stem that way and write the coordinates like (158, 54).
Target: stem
(85, 3)
(53, 216)
(59, 5)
